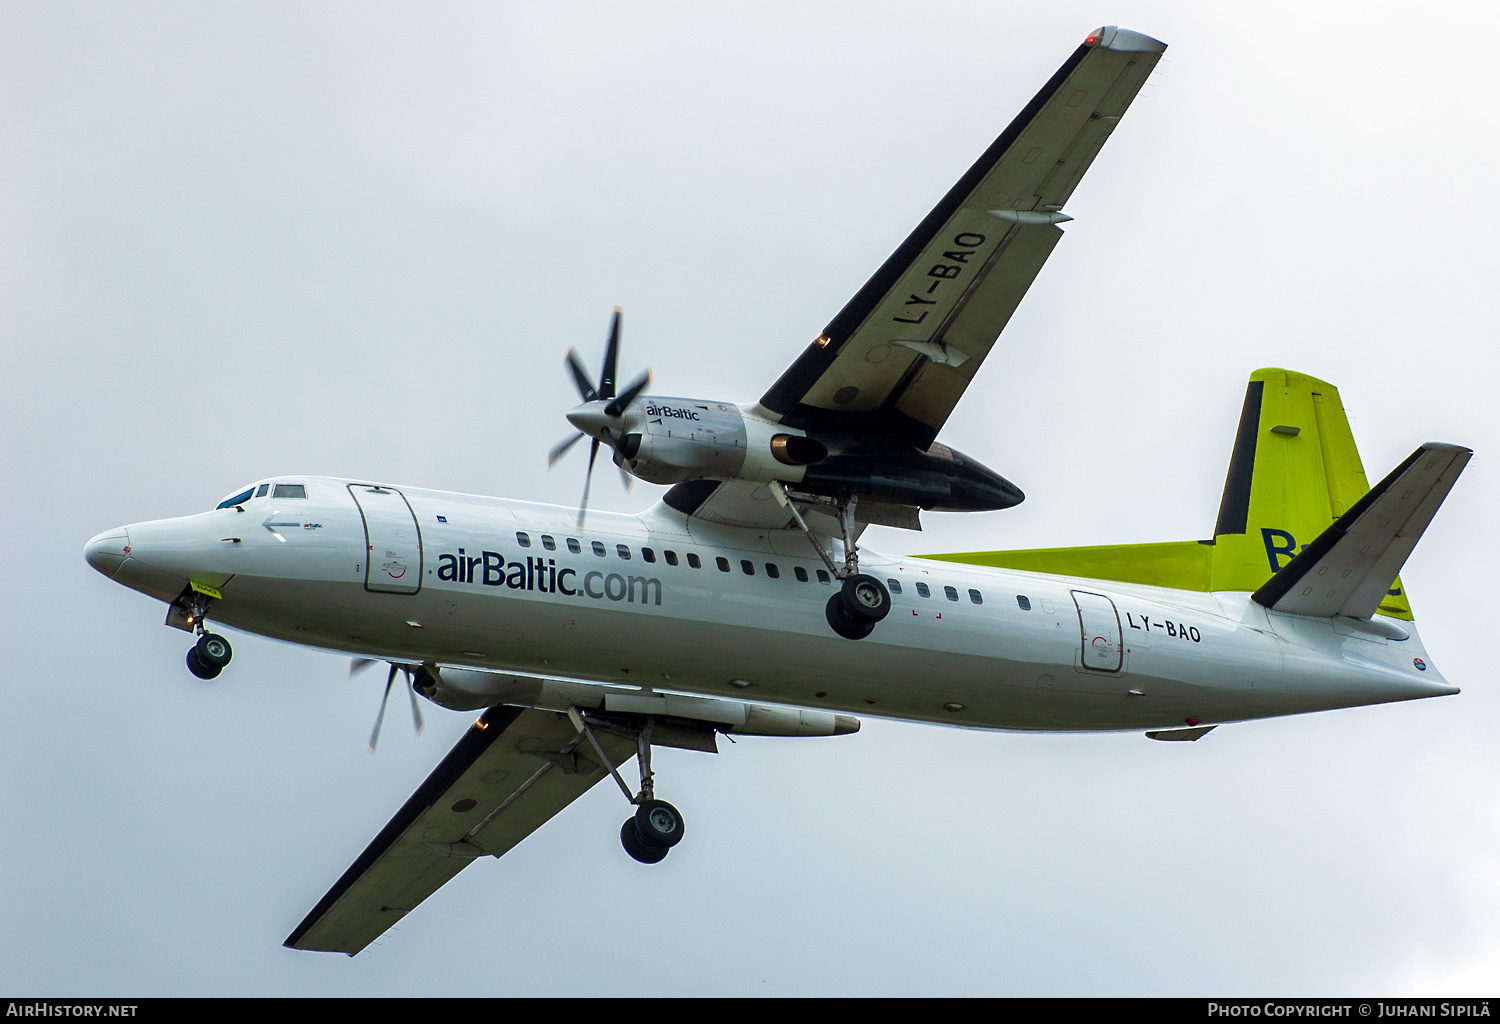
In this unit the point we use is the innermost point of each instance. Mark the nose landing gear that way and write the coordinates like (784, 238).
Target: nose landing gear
(207, 658)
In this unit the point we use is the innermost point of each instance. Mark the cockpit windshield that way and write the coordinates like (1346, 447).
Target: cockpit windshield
(237, 499)
(261, 490)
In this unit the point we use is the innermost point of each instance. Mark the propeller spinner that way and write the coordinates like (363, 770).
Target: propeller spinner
(602, 411)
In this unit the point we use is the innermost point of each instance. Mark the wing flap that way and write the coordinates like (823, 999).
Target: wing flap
(506, 777)
(1349, 568)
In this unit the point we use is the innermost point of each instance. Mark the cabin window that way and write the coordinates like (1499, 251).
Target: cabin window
(549, 543)
(238, 499)
(694, 562)
(574, 546)
(598, 547)
(622, 551)
(747, 567)
(523, 539)
(772, 571)
(260, 492)
(951, 593)
(976, 597)
(894, 585)
(648, 554)
(289, 491)
(800, 573)
(670, 556)
(1024, 602)
(822, 576)
(923, 591)
(722, 563)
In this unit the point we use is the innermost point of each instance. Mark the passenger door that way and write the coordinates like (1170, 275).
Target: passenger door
(393, 543)
(1100, 625)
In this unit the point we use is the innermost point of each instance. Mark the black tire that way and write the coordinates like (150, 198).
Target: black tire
(842, 624)
(213, 650)
(865, 598)
(659, 824)
(198, 668)
(631, 840)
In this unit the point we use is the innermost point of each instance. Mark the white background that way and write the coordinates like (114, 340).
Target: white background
(243, 240)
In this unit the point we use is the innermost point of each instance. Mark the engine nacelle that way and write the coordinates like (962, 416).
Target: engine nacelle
(672, 440)
(460, 689)
(680, 440)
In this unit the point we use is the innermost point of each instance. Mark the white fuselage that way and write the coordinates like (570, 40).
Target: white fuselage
(489, 583)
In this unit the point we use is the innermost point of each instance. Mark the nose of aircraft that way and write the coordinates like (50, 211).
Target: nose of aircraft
(108, 551)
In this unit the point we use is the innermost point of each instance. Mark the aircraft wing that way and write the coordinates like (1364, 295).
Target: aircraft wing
(895, 361)
(510, 773)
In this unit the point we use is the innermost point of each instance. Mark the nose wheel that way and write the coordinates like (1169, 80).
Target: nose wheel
(207, 658)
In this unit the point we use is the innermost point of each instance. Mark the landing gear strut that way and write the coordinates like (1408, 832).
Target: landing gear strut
(206, 658)
(656, 826)
(862, 601)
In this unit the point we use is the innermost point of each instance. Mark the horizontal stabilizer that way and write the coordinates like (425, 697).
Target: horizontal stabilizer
(1350, 567)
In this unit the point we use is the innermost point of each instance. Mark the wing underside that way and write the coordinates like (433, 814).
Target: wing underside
(510, 773)
(895, 361)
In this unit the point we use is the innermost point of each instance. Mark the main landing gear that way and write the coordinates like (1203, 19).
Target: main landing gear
(656, 826)
(206, 658)
(862, 600)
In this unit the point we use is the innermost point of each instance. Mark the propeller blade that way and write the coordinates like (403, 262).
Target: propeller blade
(358, 665)
(375, 732)
(416, 712)
(626, 479)
(587, 481)
(558, 451)
(611, 353)
(630, 394)
(580, 377)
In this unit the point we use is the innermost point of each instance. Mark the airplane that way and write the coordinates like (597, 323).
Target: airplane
(742, 604)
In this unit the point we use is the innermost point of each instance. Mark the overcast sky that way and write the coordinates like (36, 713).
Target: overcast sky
(242, 240)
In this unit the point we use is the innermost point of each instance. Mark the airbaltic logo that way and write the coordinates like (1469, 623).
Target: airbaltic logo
(670, 412)
(490, 569)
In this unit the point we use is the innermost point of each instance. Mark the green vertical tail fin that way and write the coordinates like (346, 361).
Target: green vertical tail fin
(1293, 471)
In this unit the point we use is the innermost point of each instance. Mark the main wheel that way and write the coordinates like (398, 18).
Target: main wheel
(213, 650)
(842, 624)
(865, 598)
(659, 824)
(198, 668)
(631, 840)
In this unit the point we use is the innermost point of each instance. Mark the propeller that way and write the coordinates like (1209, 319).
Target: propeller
(358, 665)
(614, 408)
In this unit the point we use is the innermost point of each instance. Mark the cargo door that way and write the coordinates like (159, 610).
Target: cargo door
(1100, 626)
(393, 544)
